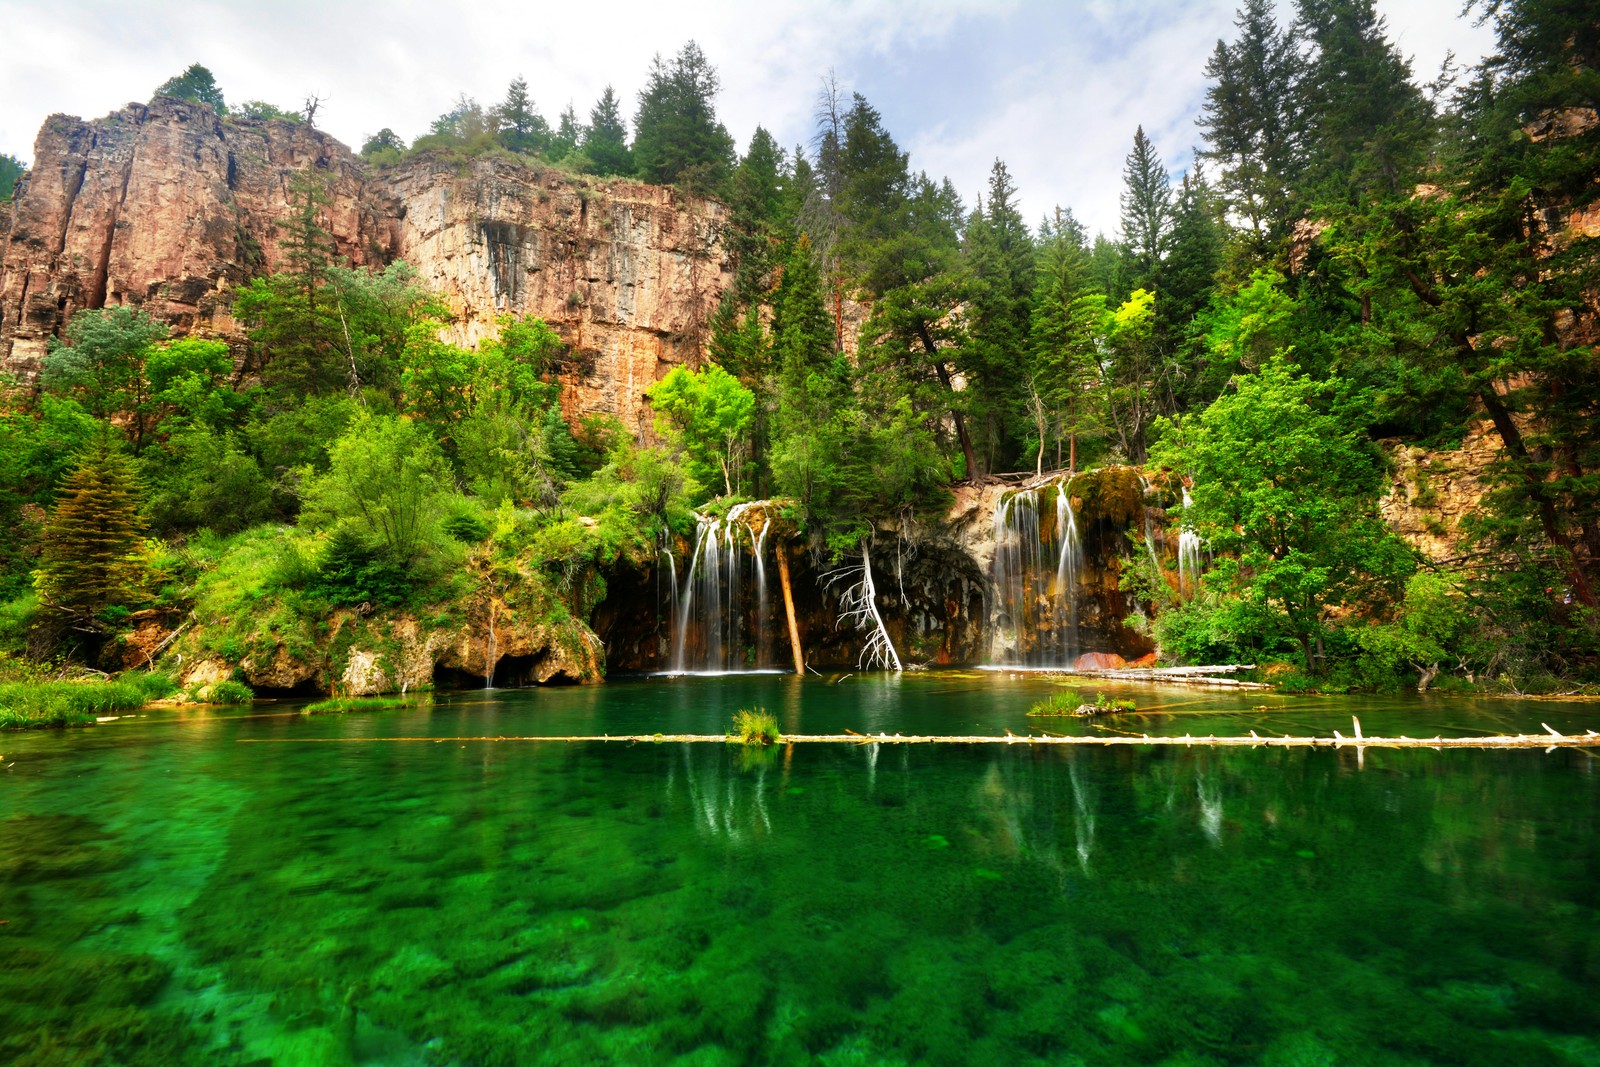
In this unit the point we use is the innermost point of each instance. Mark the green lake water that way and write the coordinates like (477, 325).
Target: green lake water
(243, 888)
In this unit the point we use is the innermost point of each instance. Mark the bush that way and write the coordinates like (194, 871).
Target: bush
(755, 726)
(352, 574)
(223, 692)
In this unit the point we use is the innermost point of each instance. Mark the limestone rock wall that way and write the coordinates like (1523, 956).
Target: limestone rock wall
(168, 206)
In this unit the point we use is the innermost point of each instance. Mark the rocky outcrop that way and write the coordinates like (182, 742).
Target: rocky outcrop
(1433, 492)
(168, 207)
(362, 656)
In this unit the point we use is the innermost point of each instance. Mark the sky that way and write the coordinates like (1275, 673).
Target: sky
(1055, 89)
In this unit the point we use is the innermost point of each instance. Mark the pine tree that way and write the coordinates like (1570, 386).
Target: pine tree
(1184, 284)
(568, 135)
(197, 84)
(1369, 127)
(1253, 122)
(518, 126)
(90, 554)
(1000, 264)
(1146, 209)
(677, 138)
(605, 140)
(1061, 347)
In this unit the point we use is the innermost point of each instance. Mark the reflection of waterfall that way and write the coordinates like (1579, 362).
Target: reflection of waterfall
(710, 606)
(1188, 553)
(1083, 802)
(725, 802)
(1210, 794)
(1038, 564)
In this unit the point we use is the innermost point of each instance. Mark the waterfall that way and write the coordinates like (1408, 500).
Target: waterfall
(711, 603)
(1188, 553)
(1036, 578)
(763, 608)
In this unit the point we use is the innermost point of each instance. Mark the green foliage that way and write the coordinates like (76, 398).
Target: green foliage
(91, 557)
(710, 413)
(195, 83)
(1056, 705)
(352, 574)
(34, 704)
(388, 486)
(605, 138)
(263, 111)
(226, 691)
(1288, 494)
(677, 138)
(206, 479)
(11, 170)
(755, 726)
(102, 364)
(344, 705)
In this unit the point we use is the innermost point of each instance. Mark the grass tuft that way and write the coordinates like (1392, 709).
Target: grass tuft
(341, 705)
(755, 726)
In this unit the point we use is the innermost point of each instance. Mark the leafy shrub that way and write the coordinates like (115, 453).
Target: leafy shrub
(352, 574)
(223, 692)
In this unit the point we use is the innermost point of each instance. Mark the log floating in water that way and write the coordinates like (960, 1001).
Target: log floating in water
(1551, 740)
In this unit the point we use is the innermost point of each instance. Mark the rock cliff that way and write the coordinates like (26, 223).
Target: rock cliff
(168, 206)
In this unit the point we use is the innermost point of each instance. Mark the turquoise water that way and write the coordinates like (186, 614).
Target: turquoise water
(172, 895)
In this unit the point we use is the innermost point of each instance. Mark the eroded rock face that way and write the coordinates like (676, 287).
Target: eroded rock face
(1432, 493)
(168, 207)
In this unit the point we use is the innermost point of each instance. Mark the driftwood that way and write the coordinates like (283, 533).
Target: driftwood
(1551, 739)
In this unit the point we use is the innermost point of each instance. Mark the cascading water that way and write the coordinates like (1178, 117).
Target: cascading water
(1036, 579)
(1188, 553)
(709, 606)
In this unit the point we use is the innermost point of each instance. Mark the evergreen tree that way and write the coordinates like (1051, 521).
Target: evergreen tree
(518, 126)
(197, 84)
(1063, 359)
(677, 138)
(605, 139)
(1146, 209)
(568, 134)
(90, 558)
(1253, 123)
(1369, 127)
(1184, 284)
(1000, 264)
(385, 146)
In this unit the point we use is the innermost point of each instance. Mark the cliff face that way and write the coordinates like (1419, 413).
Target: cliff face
(167, 206)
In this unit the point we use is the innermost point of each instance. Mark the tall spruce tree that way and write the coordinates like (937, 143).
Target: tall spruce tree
(1000, 265)
(1369, 127)
(605, 139)
(90, 556)
(518, 126)
(1254, 126)
(1146, 209)
(197, 84)
(677, 138)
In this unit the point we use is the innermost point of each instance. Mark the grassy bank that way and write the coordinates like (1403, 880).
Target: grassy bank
(27, 705)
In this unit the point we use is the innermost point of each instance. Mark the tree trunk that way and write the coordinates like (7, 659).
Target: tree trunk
(1539, 491)
(788, 611)
(944, 379)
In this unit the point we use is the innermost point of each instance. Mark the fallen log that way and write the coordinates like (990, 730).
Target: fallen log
(1551, 740)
